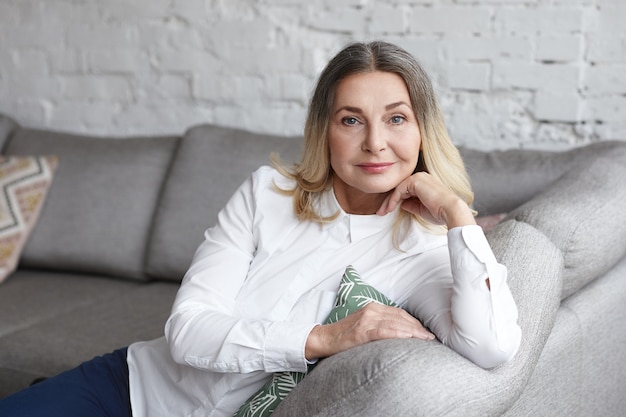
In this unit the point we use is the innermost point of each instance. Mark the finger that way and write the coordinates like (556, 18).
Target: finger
(394, 322)
(415, 206)
(400, 193)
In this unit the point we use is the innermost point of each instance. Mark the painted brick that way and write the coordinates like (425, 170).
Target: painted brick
(482, 48)
(605, 48)
(559, 48)
(28, 61)
(541, 20)
(67, 61)
(606, 109)
(609, 79)
(450, 20)
(105, 36)
(290, 87)
(341, 19)
(265, 59)
(116, 60)
(469, 76)
(533, 76)
(23, 86)
(608, 19)
(426, 51)
(89, 115)
(166, 86)
(33, 36)
(554, 135)
(31, 111)
(510, 73)
(388, 19)
(121, 10)
(257, 33)
(557, 108)
(498, 2)
(189, 61)
(103, 87)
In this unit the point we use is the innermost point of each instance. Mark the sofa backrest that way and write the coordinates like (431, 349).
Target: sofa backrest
(582, 213)
(210, 164)
(98, 214)
(503, 180)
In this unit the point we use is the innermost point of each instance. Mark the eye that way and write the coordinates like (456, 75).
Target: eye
(396, 120)
(350, 121)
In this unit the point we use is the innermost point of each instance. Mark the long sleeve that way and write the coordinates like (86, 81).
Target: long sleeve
(206, 329)
(477, 321)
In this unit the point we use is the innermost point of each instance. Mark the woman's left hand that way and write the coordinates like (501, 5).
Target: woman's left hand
(426, 196)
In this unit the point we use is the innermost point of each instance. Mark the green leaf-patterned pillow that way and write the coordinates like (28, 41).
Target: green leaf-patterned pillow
(353, 295)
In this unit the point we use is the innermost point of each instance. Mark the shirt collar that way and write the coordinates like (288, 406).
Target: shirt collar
(359, 226)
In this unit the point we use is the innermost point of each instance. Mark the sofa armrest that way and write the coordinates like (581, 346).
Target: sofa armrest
(420, 378)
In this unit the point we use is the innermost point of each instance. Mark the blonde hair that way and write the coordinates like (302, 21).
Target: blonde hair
(438, 155)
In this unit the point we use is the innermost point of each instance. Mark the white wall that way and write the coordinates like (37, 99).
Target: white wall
(510, 73)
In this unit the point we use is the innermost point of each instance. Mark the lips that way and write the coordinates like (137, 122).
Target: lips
(375, 168)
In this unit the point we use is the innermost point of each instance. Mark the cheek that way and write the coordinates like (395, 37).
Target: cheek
(340, 151)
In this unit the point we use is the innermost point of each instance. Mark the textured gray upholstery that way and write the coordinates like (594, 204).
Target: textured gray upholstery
(98, 213)
(191, 201)
(503, 180)
(583, 214)
(60, 316)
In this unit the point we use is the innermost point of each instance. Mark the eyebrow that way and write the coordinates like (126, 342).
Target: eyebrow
(359, 110)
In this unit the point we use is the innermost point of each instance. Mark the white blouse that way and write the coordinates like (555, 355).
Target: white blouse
(262, 280)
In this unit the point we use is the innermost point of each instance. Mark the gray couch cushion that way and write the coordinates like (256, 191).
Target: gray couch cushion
(7, 127)
(583, 214)
(210, 164)
(503, 180)
(73, 319)
(399, 377)
(98, 213)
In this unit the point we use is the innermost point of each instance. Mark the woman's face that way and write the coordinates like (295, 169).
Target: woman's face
(374, 139)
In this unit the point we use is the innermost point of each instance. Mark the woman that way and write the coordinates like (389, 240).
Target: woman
(380, 187)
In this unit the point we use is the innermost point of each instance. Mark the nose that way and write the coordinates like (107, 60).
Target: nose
(374, 140)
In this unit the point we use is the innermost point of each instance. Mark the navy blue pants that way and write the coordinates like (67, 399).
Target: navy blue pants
(97, 388)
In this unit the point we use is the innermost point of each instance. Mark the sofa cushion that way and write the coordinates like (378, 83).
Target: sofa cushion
(70, 318)
(583, 214)
(24, 182)
(210, 164)
(503, 180)
(424, 378)
(99, 210)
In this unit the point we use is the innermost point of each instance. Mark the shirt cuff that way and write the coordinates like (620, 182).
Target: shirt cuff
(473, 238)
(470, 254)
(285, 345)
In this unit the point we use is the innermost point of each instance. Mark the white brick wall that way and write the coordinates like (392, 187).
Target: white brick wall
(510, 73)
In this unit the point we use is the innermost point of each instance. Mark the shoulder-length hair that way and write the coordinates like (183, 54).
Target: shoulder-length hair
(438, 155)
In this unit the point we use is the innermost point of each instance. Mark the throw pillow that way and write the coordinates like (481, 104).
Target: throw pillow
(490, 221)
(24, 181)
(353, 295)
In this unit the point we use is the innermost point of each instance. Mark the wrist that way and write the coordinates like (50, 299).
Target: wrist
(314, 344)
(457, 214)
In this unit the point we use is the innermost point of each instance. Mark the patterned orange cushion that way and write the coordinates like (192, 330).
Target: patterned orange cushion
(24, 181)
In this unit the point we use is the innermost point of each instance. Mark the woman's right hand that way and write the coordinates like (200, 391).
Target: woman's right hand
(372, 322)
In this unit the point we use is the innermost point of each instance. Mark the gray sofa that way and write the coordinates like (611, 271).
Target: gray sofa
(124, 216)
